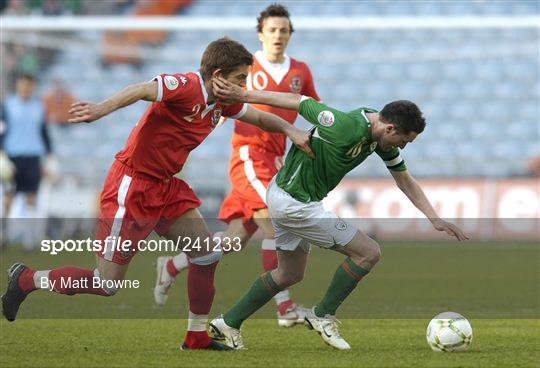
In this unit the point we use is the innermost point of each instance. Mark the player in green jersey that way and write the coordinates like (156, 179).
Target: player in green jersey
(341, 141)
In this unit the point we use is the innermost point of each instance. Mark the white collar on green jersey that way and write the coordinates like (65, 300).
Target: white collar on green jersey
(363, 112)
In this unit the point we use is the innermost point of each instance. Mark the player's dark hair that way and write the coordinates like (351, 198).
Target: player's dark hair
(274, 10)
(224, 54)
(28, 76)
(405, 115)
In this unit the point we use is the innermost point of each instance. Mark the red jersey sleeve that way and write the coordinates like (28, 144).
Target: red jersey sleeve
(309, 86)
(172, 88)
(235, 111)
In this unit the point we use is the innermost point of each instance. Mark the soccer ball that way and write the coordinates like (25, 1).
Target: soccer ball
(449, 331)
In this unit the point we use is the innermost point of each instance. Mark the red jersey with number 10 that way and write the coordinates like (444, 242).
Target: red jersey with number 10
(173, 126)
(291, 76)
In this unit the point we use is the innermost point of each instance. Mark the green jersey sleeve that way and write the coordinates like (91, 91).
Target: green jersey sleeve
(392, 159)
(332, 125)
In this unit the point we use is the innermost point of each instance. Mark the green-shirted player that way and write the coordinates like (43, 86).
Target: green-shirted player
(341, 141)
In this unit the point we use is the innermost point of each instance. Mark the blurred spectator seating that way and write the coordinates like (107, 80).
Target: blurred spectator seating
(129, 41)
(534, 166)
(57, 100)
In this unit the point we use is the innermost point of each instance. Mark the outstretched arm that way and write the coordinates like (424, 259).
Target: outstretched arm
(231, 93)
(86, 112)
(274, 124)
(414, 192)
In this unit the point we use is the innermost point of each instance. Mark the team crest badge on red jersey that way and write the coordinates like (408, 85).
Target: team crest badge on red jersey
(216, 116)
(170, 82)
(126, 253)
(296, 84)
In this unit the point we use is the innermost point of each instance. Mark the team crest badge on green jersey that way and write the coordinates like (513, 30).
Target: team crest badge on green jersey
(326, 118)
(296, 84)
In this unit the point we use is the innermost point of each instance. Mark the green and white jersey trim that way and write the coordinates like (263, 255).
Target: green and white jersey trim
(294, 174)
(341, 141)
(392, 163)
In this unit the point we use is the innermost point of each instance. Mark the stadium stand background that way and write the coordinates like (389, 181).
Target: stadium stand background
(479, 88)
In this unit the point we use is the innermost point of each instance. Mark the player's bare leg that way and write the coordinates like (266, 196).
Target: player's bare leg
(168, 267)
(31, 236)
(23, 280)
(110, 270)
(8, 200)
(363, 251)
(236, 229)
(201, 268)
(291, 268)
(288, 312)
(362, 254)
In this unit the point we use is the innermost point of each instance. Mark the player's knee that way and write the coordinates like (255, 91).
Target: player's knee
(368, 256)
(106, 286)
(207, 259)
(240, 240)
(30, 199)
(110, 291)
(269, 232)
(374, 254)
(287, 279)
(295, 278)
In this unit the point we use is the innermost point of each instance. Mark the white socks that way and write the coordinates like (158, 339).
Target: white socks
(197, 322)
(282, 296)
(180, 261)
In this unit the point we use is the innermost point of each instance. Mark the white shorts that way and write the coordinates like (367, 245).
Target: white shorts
(298, 223)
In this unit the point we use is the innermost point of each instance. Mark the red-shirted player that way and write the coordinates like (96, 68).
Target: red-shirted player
(141, 194)
(256, 158)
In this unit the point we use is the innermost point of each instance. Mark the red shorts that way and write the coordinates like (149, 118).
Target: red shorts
(132, 205)
(251, 170)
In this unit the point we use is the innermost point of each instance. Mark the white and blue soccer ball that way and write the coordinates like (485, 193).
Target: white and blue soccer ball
(448, 332)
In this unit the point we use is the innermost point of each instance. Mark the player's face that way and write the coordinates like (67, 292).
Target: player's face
(24, 87)
(275, 35)
(238, 76)
(391, 138)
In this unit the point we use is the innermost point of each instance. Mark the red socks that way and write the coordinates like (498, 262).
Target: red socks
(171, 268)
(269, 254)
(26, 280)
(201, 287)
(283, 307)
(201, 293)
(67, 280)
(269, 259)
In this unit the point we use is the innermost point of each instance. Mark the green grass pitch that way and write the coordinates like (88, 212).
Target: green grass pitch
(495, 285)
